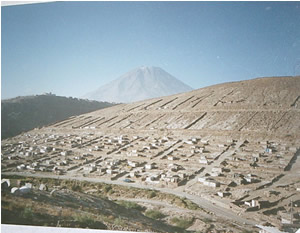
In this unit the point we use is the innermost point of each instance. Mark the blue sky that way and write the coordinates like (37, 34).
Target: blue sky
(71, 48)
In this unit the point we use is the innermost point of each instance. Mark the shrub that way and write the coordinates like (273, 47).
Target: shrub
(154, 214)
(182, 223)
(76, 188)
(106, 188)
(111, 191)
(152, 194)
(120, 222)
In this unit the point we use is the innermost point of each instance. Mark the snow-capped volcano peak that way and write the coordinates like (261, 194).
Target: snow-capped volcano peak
(141, 83)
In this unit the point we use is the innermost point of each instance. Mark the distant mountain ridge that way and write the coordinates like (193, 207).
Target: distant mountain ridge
(139, 84)
(24, 113)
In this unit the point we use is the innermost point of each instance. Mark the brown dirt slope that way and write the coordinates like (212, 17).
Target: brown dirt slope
(258, 105)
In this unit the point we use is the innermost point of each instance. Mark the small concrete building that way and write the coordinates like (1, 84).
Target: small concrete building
(203, 161)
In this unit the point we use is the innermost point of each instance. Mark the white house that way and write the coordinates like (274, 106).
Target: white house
(133, 164)
(149, 166)
(203, 161)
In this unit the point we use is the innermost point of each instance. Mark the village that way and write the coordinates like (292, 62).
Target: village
(238, 174)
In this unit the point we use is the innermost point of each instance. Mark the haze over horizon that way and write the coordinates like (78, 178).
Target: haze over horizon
(69, 48)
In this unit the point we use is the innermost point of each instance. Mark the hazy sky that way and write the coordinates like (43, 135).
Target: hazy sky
(71, 48)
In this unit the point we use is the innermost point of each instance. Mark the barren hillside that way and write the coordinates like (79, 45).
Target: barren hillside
(260, 105)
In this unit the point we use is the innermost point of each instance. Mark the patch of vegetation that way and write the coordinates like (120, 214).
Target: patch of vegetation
(131, 205)
(119, 221)
(107, 188)
(151, 194)
(27, 213)
(190, 205)
(89, 222)
(110, 192)
(182, 223)
(76, 188)
(154, 214)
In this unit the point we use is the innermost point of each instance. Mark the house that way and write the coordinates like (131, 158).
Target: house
(149, 166)
(21, 167)
(101, 169)
(204, 141)
(98, 148)
(194, 140)
(201, 179)
(217, 170)
(212, 183)
(201, 149)
(223, 194)
(203, 161)
(153, 179)
(256, 155)
(293, 149)
(249, 179)
(64, 153)
(110, 171)
(188, 142)
(153, 146)
(133, 174)
(28, 153)
(209, 182)
(171, 158)
(174, 179)
(265, 229)
(230, 141)
(182, 175)
(89, 168)
(268, 150)
(288, 217)
(133, 164)
(42, 151)
(214, 174)
(252, 203)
